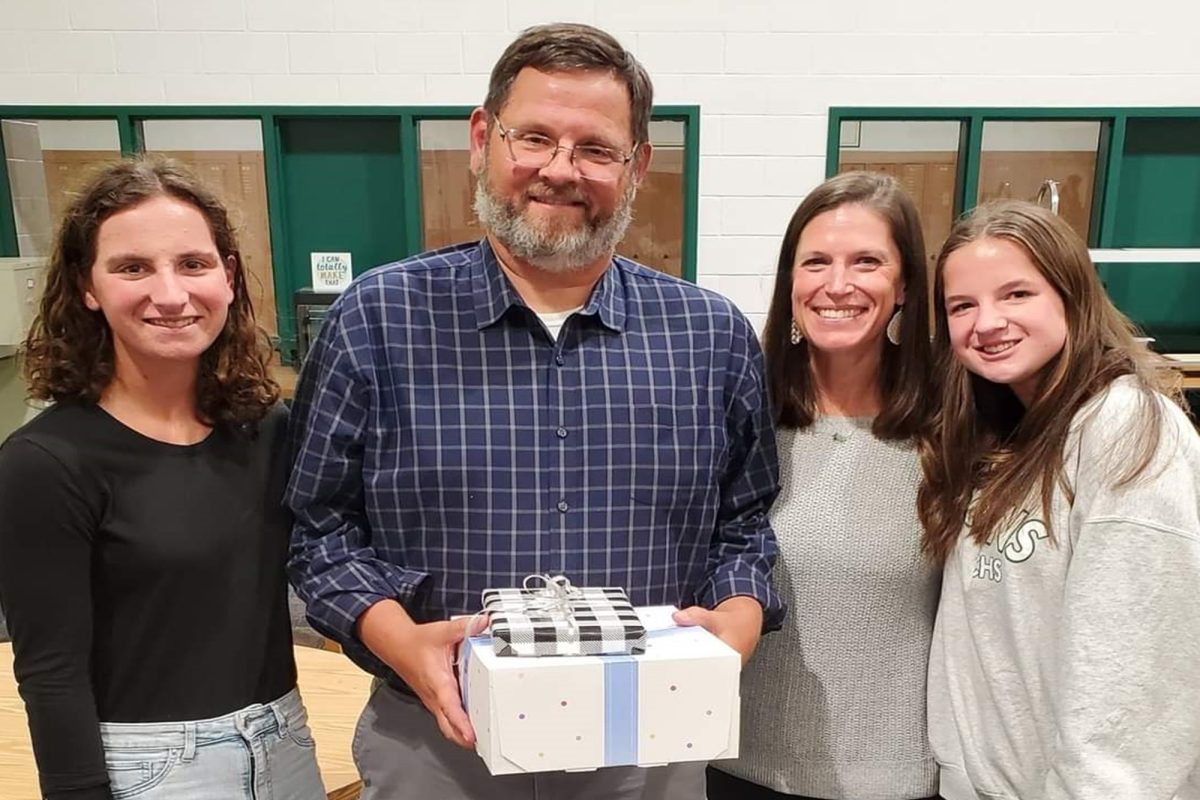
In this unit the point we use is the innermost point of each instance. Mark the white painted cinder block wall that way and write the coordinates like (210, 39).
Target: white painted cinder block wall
(763, 71)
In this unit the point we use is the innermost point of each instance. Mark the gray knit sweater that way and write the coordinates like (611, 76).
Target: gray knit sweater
(833, 705)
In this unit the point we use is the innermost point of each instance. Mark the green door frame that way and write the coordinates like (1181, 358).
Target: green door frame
(9, 245)
(129, 131)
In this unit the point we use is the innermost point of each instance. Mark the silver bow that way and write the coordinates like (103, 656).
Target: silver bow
(553, 598)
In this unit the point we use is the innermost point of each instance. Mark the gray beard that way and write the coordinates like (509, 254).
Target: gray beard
(564, 251)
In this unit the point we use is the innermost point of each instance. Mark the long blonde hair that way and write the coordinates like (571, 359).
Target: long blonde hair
(987, 451)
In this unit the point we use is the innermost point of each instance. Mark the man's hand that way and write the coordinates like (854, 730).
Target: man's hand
(737, 622)
(423, 656)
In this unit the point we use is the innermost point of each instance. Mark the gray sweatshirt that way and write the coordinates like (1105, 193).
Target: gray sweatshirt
(833, 705)
(1071, 670)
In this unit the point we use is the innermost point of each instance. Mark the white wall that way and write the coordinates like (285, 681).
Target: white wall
(79, 134)
(944, 135)
(1043, 136)
(193, 134)
(907, 137)
(763, 71)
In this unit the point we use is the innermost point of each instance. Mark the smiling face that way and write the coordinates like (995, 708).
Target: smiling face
(847, 280)
(551, 216)
(1006, 321)
(160, 282)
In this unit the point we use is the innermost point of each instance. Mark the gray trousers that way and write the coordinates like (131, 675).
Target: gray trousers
(401, 754)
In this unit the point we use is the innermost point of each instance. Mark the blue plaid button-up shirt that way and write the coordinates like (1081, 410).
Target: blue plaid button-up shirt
(444, 444)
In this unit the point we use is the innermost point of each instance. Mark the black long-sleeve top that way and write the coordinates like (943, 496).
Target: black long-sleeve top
(142, 581)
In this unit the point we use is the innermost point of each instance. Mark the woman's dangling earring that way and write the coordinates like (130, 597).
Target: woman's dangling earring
(797, 334)
(893, 326)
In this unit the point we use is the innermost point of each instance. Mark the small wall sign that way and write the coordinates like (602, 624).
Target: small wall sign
(330, 271)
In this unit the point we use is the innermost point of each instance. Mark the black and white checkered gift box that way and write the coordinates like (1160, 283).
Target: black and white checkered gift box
(600, 622)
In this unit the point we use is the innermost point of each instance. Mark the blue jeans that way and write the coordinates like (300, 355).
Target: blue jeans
(262, 752)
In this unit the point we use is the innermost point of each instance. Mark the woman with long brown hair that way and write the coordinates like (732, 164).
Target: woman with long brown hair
(1062, 493)
(833, 705)
(142, 535)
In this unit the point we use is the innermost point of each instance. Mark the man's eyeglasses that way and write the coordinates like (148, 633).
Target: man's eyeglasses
(535, 151)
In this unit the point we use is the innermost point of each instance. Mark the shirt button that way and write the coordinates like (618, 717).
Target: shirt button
(563, 506)
(562, 433)
(558, 360)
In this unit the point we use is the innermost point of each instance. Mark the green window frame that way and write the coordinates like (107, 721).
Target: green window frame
(410, 117)
(1165, 313)
(1113, 123)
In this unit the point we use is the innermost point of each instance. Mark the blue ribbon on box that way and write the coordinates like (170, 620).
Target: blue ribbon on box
(620, 710)
(620, 698)
(464, 664)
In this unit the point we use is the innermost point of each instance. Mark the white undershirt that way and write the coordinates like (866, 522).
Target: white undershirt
(553, 320)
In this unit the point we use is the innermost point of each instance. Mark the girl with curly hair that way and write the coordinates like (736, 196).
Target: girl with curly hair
(142, 537)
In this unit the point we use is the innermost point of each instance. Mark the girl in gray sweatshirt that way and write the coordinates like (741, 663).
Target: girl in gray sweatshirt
(1062, 493)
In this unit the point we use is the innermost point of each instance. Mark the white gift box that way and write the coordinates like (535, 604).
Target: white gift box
(678, 701)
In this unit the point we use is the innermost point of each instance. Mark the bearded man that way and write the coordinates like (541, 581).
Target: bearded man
(529, 403)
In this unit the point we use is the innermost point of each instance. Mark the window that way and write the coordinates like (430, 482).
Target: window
(227, 154)
(1050, 162)
(47, 160)
(921, 155)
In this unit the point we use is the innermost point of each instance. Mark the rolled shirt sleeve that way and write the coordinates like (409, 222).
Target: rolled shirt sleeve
(744, 549)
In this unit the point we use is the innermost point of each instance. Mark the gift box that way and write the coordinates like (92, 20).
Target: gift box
(557, 619)
(677, 701)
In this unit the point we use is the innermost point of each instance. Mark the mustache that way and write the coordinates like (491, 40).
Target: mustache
(569, 194)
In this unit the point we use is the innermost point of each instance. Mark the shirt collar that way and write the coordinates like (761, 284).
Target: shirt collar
(494, 293)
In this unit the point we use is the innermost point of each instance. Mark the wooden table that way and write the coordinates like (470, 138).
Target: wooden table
(334, 692)
(1190, 367)
(18, 777)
